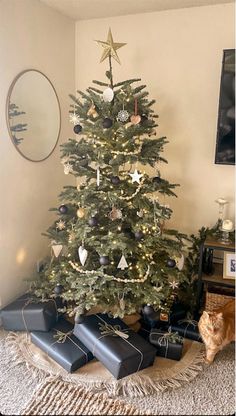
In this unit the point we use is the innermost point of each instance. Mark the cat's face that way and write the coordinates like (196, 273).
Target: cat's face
(213, 321)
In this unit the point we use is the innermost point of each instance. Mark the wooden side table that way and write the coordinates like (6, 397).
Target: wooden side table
(216, 278)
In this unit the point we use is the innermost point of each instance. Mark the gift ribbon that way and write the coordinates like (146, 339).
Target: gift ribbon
(115, 332)
(189, 322)
(62, 337)
(166, 338)
(28, 302)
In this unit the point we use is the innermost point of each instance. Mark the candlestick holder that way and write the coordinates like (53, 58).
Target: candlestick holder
(226, 228)
(221, 202)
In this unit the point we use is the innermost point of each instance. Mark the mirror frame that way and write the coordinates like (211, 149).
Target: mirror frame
(8, 119)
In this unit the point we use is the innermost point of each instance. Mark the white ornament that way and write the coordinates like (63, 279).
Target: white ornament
(140, 213)
(68, 168)
(174, 284)
(136, 176)
(74, 118)
(122, 263)
(57, 249)
(180, 262)
(157, 289)
(98, 176)
(83, 254)
(108, 95)
(123, 116)
(61, 225)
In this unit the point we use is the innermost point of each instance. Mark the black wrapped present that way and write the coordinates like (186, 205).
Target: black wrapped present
(144, 331)
(29, 314)
(178, 312)
(61, 345)
(120, 350)
(168, 344)
(187, 328)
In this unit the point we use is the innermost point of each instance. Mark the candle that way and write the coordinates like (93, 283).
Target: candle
(227, 225)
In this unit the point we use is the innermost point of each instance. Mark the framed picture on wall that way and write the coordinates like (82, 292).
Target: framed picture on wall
(225, 140)
(229, 271)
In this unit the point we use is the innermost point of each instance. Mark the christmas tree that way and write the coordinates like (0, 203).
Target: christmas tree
(110, 244)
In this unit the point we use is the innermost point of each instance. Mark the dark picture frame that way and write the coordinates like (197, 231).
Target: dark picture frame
(225, 141)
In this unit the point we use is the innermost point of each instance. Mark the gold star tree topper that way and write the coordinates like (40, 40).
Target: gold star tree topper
(110, 47)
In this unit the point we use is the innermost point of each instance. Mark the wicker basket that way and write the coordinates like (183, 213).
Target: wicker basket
(216, 300)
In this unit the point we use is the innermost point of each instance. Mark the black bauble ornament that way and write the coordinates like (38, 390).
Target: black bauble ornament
(171, 263)
(115, 180)
(144, 118)
(138, 235)
(83, 162)
(157, 179)
(104, 260)
(77, 128)
(79, 319)
(63, 209)
(58, 289)
(148, 310)
(93, 221)
(107, 123)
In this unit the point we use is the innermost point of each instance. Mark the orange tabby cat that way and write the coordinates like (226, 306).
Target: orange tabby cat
(217, 329)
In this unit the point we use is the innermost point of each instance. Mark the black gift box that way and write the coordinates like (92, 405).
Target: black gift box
(61, 345)
(166, 344)
(104, 336)
(28, 314)
(178, 312)
(144, 331)
(187, 328)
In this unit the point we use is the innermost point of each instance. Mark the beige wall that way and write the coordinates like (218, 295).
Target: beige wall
(178, 54)
(31, 36)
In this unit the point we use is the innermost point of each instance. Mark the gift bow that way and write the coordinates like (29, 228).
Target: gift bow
(189, 322)
(169, 336)
(116, 330)
(62, 336)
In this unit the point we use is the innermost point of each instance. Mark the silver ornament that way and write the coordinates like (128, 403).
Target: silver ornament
(123, 116)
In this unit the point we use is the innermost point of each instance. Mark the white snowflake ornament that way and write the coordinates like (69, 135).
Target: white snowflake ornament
(174, 284)
(74, 119)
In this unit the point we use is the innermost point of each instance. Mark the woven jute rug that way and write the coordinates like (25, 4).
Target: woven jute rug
(56, 397)
(162, 375)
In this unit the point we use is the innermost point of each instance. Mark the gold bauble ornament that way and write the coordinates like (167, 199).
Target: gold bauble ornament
(80, 212)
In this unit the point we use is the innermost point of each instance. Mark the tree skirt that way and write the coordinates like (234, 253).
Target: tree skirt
(163, 374)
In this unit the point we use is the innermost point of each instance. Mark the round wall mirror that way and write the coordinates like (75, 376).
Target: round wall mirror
(33, 115)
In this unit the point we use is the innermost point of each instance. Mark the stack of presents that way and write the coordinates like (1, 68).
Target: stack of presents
(119, 348)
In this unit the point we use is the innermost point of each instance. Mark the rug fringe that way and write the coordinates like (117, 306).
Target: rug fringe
(19, 358)
(134, 386)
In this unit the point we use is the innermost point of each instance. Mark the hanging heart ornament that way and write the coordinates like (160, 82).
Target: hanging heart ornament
(135, 118)
(83, 254)
(108, 95)
(180, 262)
(57, 249)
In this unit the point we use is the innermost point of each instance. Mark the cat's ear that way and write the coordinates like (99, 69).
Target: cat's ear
(220, 315)
(205, 314)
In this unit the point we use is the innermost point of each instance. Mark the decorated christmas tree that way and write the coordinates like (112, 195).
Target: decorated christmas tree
(111, 246)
